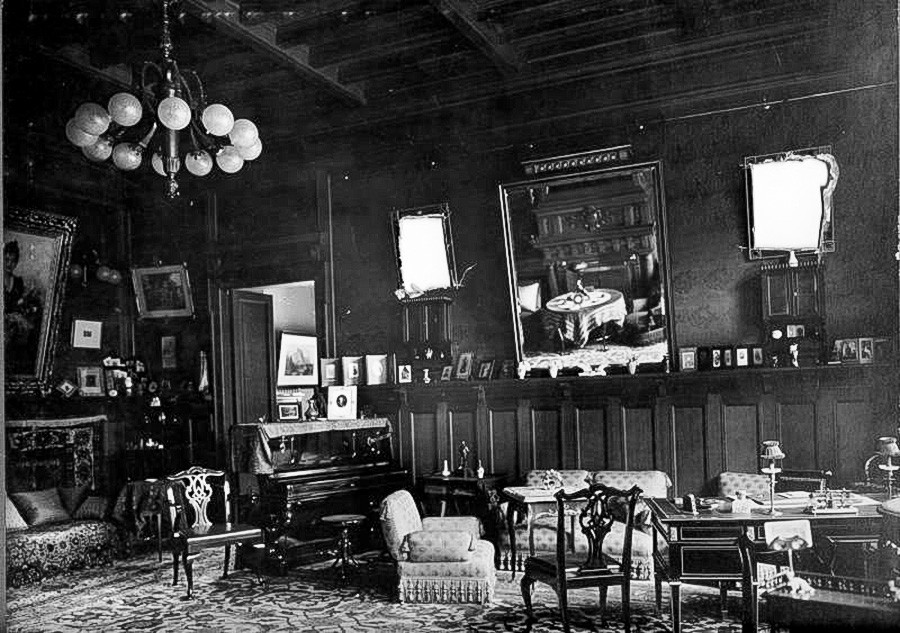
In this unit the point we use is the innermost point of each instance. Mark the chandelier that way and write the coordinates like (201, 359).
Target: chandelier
(168, 107)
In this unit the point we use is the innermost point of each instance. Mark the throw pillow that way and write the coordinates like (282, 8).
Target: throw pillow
(40, 507)
(72, 497)
(93, 508)
(14, 520)
(438, 547)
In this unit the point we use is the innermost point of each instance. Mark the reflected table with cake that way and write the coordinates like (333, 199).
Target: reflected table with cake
(575, 315)
(701, 545)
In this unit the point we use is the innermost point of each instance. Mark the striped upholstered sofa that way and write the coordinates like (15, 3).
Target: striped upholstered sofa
(653, 483)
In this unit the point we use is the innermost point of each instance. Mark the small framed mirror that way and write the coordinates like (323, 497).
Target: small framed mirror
(423, 244)
(588, 271)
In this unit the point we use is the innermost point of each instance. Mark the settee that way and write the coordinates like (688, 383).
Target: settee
(653, 483)
(56, 518)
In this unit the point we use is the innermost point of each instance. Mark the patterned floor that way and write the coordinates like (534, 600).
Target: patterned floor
(136, 595)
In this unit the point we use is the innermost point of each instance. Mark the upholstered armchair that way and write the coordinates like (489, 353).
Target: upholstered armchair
(654, 483)
(439, 559)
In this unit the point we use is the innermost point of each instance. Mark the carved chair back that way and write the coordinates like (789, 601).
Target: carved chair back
(195, 488)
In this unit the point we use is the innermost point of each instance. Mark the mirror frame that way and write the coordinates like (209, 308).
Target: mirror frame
(654, 170)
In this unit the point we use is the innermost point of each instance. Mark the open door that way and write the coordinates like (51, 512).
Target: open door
(253, 346)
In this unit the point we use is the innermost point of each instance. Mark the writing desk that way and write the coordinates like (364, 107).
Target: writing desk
(703, 547)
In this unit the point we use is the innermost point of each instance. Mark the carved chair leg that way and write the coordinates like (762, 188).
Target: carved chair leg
(227, 560)
(563, 597)
(527, 584)
(603, 591)
(188, 573)
(626, 604)
(174, 568)
(657, 581)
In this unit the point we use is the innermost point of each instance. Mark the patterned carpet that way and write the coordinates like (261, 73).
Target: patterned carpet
(136, 595)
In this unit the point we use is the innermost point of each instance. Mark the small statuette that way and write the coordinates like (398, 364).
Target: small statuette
(446, 471)
(426, 376)
(480, 471)
(632, 365)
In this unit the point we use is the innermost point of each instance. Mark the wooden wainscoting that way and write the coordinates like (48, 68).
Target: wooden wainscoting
(692, 426)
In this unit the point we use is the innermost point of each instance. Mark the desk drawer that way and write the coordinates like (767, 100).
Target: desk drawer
(713, 533)
(713, 562)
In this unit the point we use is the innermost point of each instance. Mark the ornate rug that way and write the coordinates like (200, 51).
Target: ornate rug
(137, 595)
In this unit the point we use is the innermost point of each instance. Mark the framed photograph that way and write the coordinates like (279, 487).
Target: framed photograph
(866, 350)
(717, 358)
(288, 411)
(727, 358)
(342, 403)
(37, 247)
(756, 356)
(169, 352)
(881, 346)
(849, 349)
(351, 370)
(86, 334)
(404, 373)
(376, 369)
(90, 381)
(486, 370)
(447, 372)
(687, 358)
(162, 291)
(796, 331)
(704, 358)
(464, 365)
(329, 369)
(298, 360)
(742, 357)
(67, 388)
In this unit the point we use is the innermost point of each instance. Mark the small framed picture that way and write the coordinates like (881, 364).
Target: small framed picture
(86, 334)
(169, 352)
(881, 347)
(849, 348)
(90, 381)
(704, 358)
(756, 356)
(67, 388)
(376, 369)
(298, 360)
(288, 411)
(687, 357)
(342, 403)
(717, 358)
(796, 331)
(866, 351)
(328, 367)
(404, 373)
(162, 291)
(727, 358)
(486, 370)
(741, 357)
(507, 369)
(352, 370)
(464, 365)
(447, 372)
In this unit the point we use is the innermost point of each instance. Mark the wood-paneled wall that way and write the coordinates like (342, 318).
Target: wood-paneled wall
(691, 426)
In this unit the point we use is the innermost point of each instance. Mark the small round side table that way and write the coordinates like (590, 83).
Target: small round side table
(344, 554)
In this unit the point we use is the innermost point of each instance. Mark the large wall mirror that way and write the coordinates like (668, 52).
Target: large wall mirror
(588, 274)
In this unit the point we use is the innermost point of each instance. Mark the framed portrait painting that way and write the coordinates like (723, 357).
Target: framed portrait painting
(162, 291)
(298, 360)
(37, 247)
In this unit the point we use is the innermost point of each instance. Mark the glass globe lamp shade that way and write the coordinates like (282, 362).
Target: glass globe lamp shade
(157, 162)
(115, 277)
(243, 133)
(77, 136)
(198, 162)
(250, 152)
(125, 109)
(174, 113)
(229, 160)
(76, 272)
(92, 118)
(103, 273)
(217, 119)
(127, 156)
(99, 151)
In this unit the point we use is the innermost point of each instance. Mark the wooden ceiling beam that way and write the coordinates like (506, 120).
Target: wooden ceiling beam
(262, 37)
(482, 35)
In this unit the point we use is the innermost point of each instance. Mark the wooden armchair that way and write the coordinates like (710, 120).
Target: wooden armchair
(196, 496)
(596, 509)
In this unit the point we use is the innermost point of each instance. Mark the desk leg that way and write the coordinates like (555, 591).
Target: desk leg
(675, 590)
(511, 531)
(723, 598)
(159, 534)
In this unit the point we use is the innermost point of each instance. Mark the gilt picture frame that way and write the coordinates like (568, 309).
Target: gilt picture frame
(162, 292)
(41, 245)
(298, 360)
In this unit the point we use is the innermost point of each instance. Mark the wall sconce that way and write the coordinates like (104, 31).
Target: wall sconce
(91, 262)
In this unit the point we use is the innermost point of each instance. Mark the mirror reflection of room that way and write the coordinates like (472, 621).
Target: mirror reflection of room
(587, 270)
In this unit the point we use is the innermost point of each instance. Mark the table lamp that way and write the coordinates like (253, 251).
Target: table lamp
(887, 448)
(771, 452)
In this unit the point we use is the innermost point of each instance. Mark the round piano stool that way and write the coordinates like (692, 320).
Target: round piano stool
(344, 553)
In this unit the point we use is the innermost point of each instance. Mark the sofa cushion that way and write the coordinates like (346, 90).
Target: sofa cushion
(576, 479)
(433, 546)
(14, 520)
(40, 507)
(93, 507)
(72, 497)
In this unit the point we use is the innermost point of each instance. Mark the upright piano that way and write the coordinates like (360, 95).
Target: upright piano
(298, 472)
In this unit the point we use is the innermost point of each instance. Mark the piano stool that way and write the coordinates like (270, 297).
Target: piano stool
(344, 553)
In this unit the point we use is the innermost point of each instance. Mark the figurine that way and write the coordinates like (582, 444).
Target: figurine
(795, 355)
(463, 467)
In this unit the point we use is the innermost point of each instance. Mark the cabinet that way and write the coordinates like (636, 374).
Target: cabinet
(793, 312)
